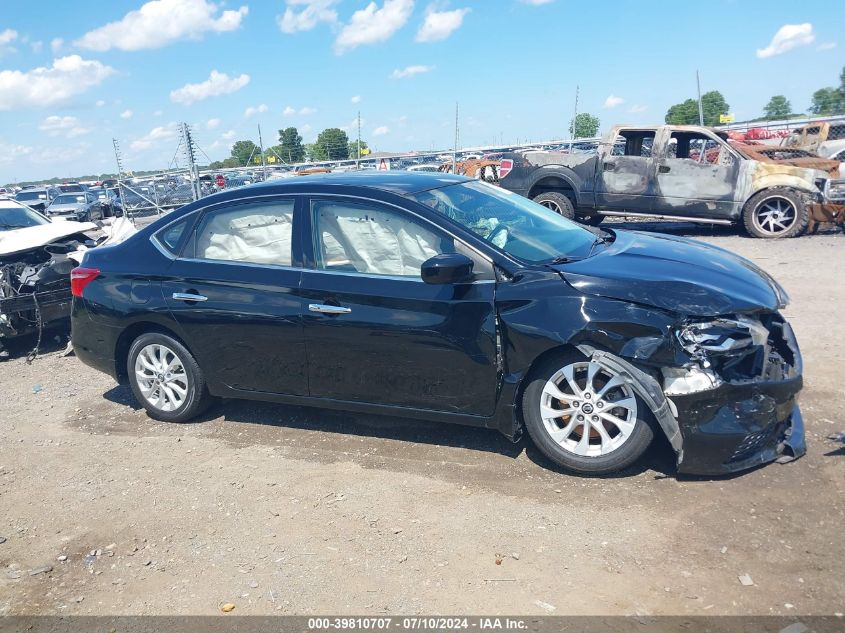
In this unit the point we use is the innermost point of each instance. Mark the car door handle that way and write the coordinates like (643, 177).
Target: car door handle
(609, 166)
(663, 169)
(326, 309)
(189, 296)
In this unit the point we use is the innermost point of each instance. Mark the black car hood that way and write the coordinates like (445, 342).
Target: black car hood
(676, 274)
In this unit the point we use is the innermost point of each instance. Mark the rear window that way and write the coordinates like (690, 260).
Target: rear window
(171, 236)
(31, 195)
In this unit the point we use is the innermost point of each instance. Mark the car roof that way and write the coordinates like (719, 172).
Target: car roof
(398, 181)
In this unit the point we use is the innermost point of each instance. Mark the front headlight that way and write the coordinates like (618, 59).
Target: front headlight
(722, 335)
(834, 191)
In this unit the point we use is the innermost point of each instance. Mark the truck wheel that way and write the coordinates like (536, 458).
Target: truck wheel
(777, 212)
(557, 202)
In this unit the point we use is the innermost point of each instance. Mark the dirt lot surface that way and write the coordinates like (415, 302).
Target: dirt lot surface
(290, 510)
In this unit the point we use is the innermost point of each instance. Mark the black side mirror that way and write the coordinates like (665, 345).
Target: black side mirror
(449, 268)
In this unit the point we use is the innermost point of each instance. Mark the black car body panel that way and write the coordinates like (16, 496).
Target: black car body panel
(457, 353)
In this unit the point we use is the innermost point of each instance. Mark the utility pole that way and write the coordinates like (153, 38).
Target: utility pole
(358, 160)
(120, 170)
(455, 148)
(575, 114)
(190, 157)
(700, 107)
(263, 162)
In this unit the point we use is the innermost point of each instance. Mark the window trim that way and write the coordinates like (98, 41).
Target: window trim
(311, 237)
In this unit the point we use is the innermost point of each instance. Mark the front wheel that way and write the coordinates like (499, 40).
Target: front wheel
(166, 379)
(557, 202)
(585, 418)
(774, 213)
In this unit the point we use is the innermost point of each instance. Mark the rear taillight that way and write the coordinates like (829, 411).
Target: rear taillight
(81, 277)
(505, 167)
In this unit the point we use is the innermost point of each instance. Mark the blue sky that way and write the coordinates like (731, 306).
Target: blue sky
(73, 75)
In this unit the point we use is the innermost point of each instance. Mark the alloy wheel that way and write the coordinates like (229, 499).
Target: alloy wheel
(551, 204)
(588, 410)
(775, 215)
(161, 377)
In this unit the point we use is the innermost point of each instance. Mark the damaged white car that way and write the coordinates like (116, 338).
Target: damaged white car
(35, 269)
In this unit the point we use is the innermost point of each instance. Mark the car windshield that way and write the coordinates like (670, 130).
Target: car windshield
(509, 221)
(69, 199)
(31, 195)
(19, 218)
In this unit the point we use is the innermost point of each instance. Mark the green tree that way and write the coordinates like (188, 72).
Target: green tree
(778, 107)
(290, 143)
(243, 150)
(828, 101)
(686, 113)
(332, 144)
(584, 125)
(353, 147)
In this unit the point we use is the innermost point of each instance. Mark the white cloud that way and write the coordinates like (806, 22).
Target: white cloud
(439, 25)
(381, 130)
(217, 84)
(41, 87)
(304, 129)
(537, 3)
(827, 46)
(161, 133)
(126, 114)
(230, 134)
(253, 110)
(304, 111)
(6, 38)
(372, 24)
(634, 109)
(63, 126)
(613, 101)
(10, 153)
(410, 71)
(312, 13)
(56, 44)
(356, 99)
(789, 36)
(100, 103)
(36, 46)
(158, 113)
(212, 124)
(161, 22)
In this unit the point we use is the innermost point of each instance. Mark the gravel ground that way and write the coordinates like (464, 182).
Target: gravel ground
(292, 510)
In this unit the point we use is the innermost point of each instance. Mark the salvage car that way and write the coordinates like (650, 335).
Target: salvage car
(683, 172)
(82, 207)
(439, 297)
(37, 198)
(35, 269)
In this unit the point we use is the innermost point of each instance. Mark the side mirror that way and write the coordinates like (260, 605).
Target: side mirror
(449, 268)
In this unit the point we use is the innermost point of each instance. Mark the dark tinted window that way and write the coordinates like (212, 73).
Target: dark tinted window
(171, 236)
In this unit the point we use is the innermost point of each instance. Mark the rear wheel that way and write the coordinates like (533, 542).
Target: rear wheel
(557, 202)
(166, 379)
(775, 213)
(585, 418)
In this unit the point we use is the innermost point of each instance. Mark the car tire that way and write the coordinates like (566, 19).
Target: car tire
(167, 380)
(776, 213)
(561, 438)
(557, 202)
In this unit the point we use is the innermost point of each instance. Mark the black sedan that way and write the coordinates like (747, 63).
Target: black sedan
(437, 297)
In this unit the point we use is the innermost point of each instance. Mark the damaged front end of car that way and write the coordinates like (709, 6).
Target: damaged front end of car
(734, 393)
(35, 288)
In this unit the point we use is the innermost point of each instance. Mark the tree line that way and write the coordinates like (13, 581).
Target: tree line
(331, 144)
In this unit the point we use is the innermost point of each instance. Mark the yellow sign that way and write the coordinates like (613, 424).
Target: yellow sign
(365, 151)
(271, 159)
(726, 118)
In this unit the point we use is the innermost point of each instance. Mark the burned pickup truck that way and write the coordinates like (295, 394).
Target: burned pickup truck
(35, 269)
(686, 173)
